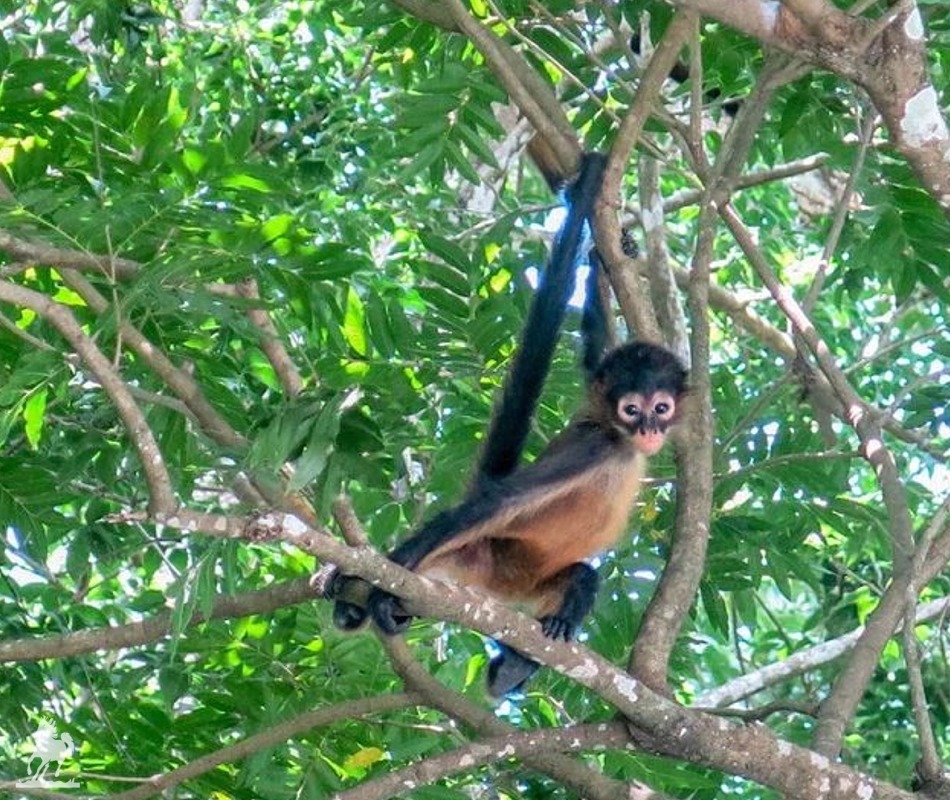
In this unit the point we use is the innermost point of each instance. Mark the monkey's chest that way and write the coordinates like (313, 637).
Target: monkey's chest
(585, 519)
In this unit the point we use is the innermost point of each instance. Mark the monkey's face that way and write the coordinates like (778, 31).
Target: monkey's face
(639, 385)
(646, 417)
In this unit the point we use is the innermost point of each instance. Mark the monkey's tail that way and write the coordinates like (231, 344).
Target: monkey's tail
(512, 420)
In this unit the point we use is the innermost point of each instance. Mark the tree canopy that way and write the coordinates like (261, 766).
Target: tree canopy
(263, 268)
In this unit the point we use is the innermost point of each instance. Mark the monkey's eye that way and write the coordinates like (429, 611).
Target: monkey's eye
(664, 404)
(628, 410)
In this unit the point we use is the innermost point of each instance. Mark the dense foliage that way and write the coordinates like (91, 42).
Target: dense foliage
(172, 169)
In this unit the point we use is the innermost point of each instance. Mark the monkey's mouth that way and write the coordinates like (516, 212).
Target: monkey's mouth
(649, 440)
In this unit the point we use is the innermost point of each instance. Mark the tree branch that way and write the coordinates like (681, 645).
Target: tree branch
(577, 776)
(30, 252)
(161, 497)
(270, 737)
(752, 752)
(469, 757)
(799, 663)
(621, 269)
(262, 601)
(840, 705)
(532, 95)
(178, 380)
(271, 343)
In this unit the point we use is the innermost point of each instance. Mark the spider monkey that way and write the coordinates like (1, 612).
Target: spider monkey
(680, 74)
(521, 532)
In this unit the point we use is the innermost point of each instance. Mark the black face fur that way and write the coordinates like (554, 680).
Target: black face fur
(640, 367)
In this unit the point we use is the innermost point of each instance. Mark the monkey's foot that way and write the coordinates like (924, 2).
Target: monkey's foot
(348, 616)
(388, 613)
(508, 671)
(557, 627)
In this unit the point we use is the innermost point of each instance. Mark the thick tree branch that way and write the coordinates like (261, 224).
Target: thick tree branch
(753, 752)
(680, 580)
(469, 757)
(676, 591)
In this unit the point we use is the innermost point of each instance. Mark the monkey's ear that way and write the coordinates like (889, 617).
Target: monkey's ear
(685, 404)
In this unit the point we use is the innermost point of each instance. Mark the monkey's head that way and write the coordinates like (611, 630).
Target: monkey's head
(638, 387)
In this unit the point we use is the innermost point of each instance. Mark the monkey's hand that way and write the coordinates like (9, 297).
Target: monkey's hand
(388, 613)
(556, 626)
(580, 588)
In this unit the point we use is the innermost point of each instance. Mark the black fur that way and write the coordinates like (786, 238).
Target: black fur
(512, 420)
(680, 74)
(593, 321)
(509, 670)
(640, 367)
(578, 601)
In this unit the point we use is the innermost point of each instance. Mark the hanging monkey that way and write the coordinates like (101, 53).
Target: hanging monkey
(522, 533)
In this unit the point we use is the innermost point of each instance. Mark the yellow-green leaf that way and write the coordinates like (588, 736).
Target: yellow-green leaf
(354, 323)
(364, 757)
(34, 415)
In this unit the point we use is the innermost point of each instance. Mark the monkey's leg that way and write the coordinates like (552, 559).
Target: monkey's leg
(509, 670)
(437, 545)
(576, 586)
(571, 592)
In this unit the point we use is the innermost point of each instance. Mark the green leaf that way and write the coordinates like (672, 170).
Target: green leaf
(34, 416)
(354, 323)
(314, 458)
(448, 251)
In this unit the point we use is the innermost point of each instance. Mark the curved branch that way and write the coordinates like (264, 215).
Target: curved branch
(262, 601)
(753, 752)
(161, 497)
(469, 757)
(271, 737)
